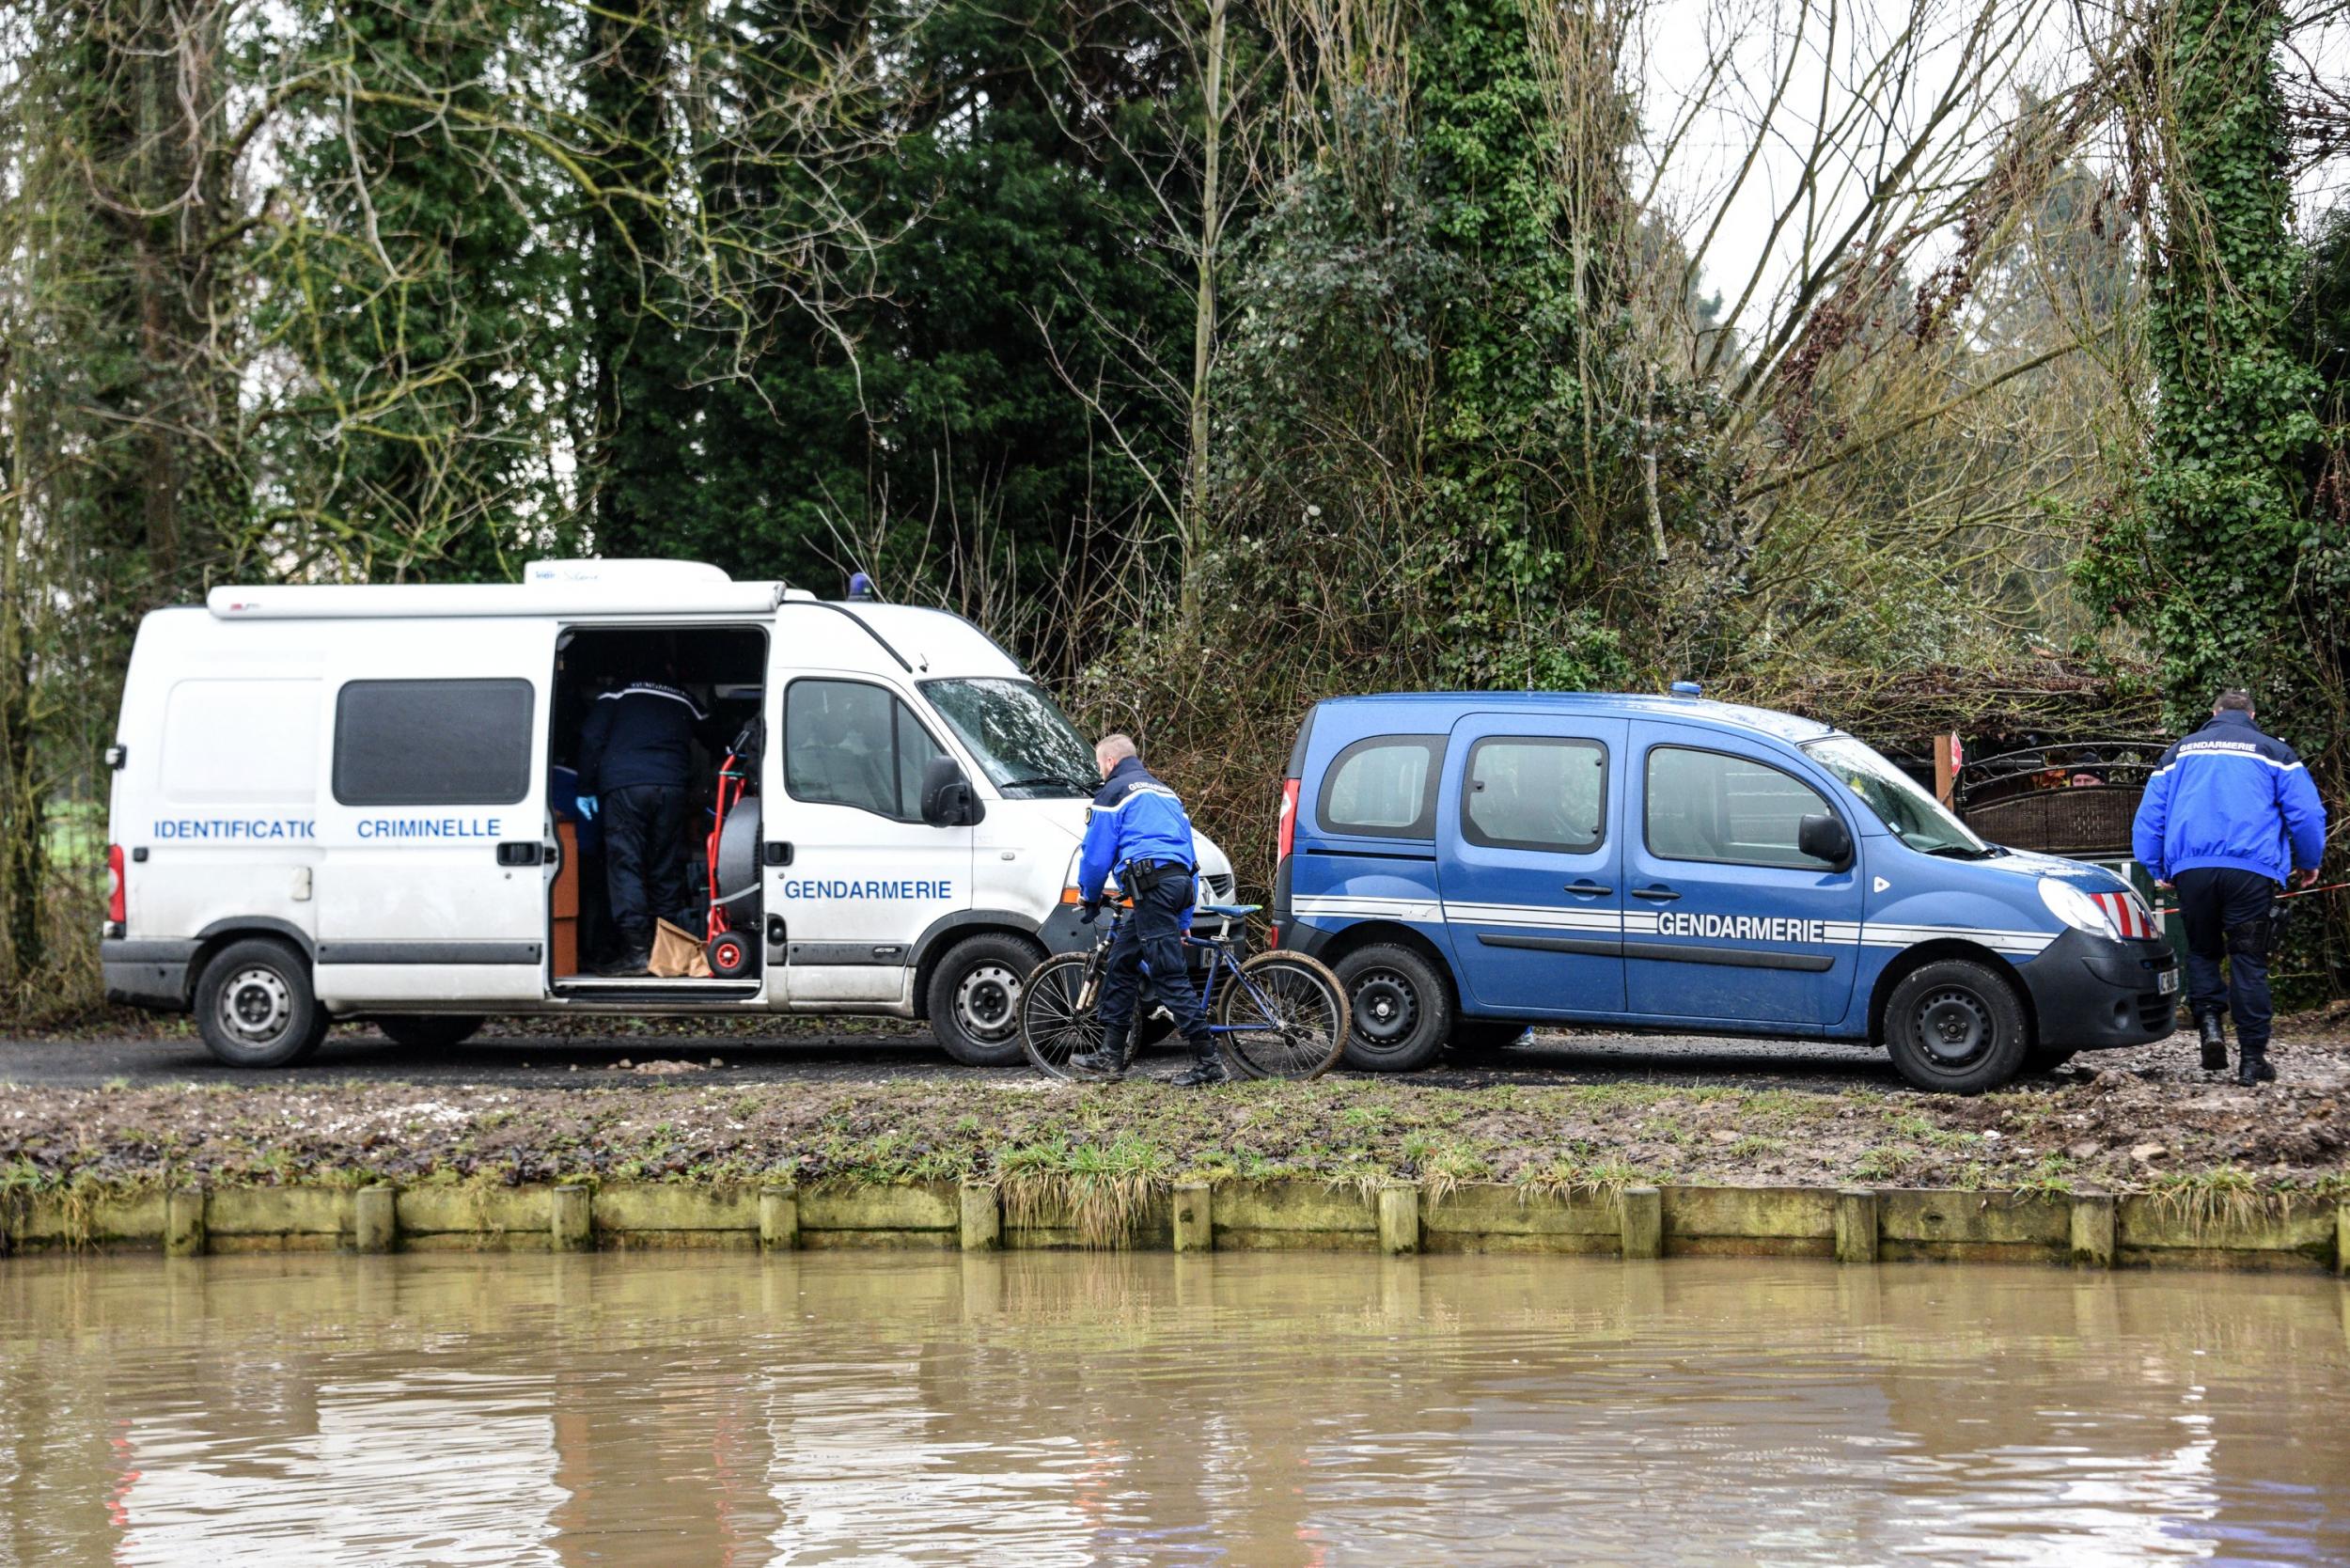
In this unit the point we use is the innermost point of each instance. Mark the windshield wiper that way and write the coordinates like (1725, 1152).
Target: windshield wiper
(1963, 851)
(1061, 779)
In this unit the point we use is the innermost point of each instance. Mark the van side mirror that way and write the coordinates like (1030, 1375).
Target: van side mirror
(1823, 835)
(947, 800)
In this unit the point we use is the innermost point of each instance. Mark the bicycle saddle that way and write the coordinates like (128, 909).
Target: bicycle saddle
(1230, 911)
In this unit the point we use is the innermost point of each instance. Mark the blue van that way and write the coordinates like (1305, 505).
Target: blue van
(1471, 863)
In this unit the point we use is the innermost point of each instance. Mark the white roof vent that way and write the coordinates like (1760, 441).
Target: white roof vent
(636, 573)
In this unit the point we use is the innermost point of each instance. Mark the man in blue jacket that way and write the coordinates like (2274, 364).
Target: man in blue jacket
(636, 772)
(1137, 830)
(2228, 817)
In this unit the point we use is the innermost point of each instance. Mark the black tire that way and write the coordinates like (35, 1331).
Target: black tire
(1401, 1009)
(1057, 1020)
(1288, 1021)
(973, 998)
(1482, 1037)
(730, 955)
(2047, 1059)
(1956, 1027)
(254, 1005)
(429, 1030)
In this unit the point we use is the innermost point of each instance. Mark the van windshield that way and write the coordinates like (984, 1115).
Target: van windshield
(1020, 737)
(1915, 818)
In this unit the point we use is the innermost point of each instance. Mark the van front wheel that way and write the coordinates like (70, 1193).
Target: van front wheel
(1956, 1027)
(255, 1007)
(1401, 1009)
(974, 999)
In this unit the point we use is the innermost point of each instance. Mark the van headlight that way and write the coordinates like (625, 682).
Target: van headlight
(2077, 909)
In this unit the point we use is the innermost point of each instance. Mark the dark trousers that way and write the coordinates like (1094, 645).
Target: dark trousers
(644, 863)
(1152, 936)
(2226, 914)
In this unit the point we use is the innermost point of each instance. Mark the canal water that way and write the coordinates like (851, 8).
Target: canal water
(1258, 1410)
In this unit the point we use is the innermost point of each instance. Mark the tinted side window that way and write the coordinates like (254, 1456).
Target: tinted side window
(1539, 792)
(1384, 786)
(848, 743)
(432, 742)
(1706, 805)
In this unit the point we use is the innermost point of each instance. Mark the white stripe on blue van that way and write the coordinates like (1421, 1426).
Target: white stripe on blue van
(1317, 909)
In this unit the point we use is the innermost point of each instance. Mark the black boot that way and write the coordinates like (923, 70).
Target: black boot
(1207, 1067)
(2215, 1043)
(2251, 1066)
(1100, 1063)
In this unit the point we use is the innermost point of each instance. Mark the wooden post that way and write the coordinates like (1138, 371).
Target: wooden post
(982, 1218)
(374, 1219)
(2094, 1230)
(1195, 1228)
(2342, 1239)
(1948, 753)
(1399, 1220)
(183, 1223)
(1856, 1224)
(780, 1218)
(570, 1207)
(1643, 1217)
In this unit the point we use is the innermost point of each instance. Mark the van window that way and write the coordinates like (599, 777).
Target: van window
(1709, 806)
(250, 742)
(1384, 786)
(1536, 792)
(434, 743)
(849, 744)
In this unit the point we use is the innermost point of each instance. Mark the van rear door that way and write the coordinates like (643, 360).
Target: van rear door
(1727, 920)
(432, 835)
(1528, 826)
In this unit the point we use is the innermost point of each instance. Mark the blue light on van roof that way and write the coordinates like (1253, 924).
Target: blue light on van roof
(1687, 688)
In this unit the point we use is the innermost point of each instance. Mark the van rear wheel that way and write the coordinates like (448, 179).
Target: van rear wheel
(255, 1007)
(429, 1030)
(973, 998)
(1956, 1027)
(1401, 1009)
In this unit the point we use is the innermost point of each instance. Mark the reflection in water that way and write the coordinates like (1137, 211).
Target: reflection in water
(1043, 1409)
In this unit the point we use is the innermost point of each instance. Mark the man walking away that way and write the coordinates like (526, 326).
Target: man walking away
(635, 767)
(2226, 819)
(1139, 829)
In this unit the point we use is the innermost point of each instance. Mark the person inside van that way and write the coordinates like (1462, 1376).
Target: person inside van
(635, 781)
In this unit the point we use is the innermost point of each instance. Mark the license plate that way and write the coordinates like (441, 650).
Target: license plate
(2168, 981)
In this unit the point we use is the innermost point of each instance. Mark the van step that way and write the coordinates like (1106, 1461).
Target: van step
(655, 990)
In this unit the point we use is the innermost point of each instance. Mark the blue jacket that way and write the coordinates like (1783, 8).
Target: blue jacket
(640, 734)
(1134, 817)
(2230, 796)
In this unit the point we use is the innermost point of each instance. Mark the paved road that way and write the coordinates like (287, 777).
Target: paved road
(572, 1061)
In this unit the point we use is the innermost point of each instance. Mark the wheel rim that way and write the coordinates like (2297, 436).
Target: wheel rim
(255, 1005)
(1386, 1009)
(1292, 1033)
(1954, 1028)
(987, 1003)
(1055, 1023)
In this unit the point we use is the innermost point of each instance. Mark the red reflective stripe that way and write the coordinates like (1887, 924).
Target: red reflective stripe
(1286, 832)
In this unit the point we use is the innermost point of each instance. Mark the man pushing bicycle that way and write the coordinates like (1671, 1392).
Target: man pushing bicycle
(1137, 828)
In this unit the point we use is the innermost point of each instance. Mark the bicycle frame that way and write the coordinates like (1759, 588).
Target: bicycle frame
(1221, 961)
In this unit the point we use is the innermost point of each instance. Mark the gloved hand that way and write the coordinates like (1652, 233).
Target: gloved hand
(1088, 912)
(586, 806)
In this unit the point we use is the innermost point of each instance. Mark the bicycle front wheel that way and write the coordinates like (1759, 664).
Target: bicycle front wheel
(1282, 1016)
(1057, 1019)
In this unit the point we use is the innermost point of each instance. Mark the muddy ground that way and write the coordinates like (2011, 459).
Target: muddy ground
(1563, 1110)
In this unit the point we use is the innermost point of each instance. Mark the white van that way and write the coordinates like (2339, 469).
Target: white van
(335, 802)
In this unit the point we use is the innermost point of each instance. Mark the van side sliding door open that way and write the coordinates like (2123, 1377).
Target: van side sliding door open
(434, 848)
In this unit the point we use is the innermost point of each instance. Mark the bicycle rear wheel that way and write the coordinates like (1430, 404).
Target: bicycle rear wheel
(1057, 1019)
(1285, 1016)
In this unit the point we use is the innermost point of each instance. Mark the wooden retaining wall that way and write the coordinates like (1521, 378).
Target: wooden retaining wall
(1850, 1225)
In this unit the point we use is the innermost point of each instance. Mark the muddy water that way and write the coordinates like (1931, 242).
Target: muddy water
(1255, 1410)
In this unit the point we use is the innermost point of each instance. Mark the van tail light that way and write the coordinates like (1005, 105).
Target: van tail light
(116, 892)
(1287, 834)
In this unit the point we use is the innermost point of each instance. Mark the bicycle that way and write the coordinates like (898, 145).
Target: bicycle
(1275, 1015)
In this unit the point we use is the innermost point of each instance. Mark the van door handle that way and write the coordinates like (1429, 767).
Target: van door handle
(1588, 889)
(1659, 894)
(521, 852)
